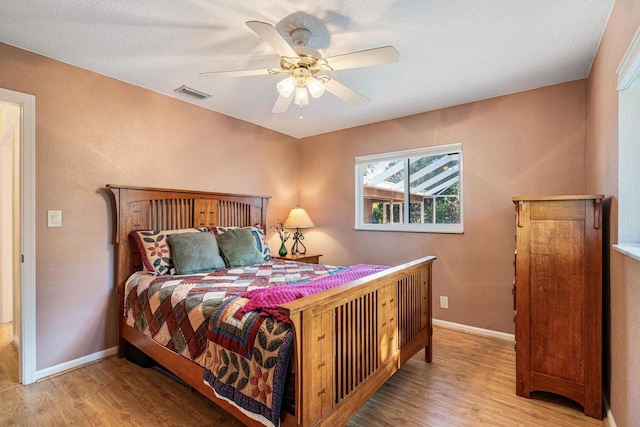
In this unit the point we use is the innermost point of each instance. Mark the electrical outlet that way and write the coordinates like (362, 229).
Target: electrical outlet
(444, 302)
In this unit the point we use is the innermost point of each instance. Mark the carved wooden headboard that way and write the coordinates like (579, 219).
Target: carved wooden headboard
(141, 208)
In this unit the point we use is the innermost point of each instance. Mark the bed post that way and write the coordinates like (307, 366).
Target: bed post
(119, 256)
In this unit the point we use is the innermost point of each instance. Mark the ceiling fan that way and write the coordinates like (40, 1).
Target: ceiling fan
(303, 65)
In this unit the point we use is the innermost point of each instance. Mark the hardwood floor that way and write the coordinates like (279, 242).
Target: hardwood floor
(8, 360)
(469, 383)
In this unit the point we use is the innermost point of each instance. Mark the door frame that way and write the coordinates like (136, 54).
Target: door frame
(27, 289)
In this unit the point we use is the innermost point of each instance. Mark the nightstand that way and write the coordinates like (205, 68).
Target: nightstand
(309, 258)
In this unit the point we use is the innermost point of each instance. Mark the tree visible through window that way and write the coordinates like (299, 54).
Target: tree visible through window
(415, 190)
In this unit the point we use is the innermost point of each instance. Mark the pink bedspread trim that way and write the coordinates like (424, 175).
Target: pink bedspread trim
(268, 299)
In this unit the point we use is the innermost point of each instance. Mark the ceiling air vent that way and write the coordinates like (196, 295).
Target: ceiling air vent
(192, 92)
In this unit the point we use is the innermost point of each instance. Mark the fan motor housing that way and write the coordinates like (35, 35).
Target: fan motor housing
(307, 58)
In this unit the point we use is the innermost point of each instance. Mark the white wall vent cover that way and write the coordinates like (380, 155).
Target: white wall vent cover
(192, 92)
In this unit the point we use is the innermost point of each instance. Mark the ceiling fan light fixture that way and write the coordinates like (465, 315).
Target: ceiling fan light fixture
(315, 86)
(301, 96)
(286, 87)
(302, 63)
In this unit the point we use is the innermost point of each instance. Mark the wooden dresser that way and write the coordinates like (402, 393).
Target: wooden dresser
(558, 298)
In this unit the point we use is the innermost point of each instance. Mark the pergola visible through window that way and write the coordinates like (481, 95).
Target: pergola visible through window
(415, 190)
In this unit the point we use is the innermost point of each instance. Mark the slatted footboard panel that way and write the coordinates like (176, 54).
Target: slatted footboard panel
(414, 311)
(356, 333)
(355, 337)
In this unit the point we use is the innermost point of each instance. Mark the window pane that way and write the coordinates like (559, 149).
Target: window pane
(435, 178)
(383, 187)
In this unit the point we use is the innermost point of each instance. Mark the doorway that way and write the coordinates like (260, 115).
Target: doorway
(17, 225)
(9, 203)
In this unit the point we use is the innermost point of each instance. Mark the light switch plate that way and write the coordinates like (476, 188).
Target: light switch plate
(54, 218)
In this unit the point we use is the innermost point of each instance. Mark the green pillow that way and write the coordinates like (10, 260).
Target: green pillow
(238, 247)
(195, 252)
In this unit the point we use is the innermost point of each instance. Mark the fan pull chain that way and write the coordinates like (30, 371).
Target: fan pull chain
(301, 112)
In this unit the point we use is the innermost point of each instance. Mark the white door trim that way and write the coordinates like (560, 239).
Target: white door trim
(27, 294)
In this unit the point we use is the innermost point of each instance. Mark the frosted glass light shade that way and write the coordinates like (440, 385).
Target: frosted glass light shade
(302, 96)
(298, 218)
(315, 86)
(286, 87)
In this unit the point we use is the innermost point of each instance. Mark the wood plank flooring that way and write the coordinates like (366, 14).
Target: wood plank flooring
(469, 383)
(8, 359)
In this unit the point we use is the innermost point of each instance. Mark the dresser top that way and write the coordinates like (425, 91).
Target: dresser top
(571, 197)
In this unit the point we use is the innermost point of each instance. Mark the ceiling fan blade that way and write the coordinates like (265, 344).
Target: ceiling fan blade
(346, 93)
(364, 58)
(237, 73)
(269, 34)
(282, 104)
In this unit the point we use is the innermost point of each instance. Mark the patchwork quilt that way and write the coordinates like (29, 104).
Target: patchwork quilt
(174, 310)
(247, 359)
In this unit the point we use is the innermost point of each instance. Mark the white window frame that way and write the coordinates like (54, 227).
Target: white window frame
(628, 74)
(405, 226)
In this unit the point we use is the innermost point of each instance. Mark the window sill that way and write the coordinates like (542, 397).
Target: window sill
(632, 251)
(413, 228)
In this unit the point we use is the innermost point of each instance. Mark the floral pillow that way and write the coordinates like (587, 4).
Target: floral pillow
(258, 235)
(154, 248)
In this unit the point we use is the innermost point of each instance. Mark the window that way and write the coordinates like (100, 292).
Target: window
(629, 151)
(413, 190)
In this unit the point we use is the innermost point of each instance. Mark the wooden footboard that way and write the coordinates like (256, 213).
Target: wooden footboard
(348, 340)
(352, 338)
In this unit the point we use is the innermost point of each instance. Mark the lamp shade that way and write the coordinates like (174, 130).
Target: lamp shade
(298, 218)
(286, 87)
(301, 96)
(315, 86)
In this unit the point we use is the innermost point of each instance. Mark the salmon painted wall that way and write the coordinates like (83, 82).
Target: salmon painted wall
(92, 130)
(622, 273)
(526, 144)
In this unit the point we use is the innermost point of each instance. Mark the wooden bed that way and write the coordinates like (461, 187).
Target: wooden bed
(348, 340)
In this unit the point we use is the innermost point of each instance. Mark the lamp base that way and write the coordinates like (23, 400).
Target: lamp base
(297, 237)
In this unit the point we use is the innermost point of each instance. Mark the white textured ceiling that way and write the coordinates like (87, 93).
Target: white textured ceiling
(451, 51)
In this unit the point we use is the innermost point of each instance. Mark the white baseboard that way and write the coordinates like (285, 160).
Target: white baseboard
(73, 364)
(473, 330)
(608, 413)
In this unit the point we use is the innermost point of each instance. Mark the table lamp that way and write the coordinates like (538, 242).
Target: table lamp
(298, 218)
